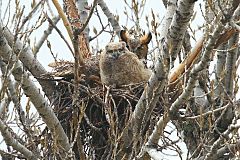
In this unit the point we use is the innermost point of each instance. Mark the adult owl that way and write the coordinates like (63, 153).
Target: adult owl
(137, 45)
(119, 66)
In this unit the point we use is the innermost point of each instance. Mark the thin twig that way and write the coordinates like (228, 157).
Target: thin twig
(60, 33)
(208, 113)
(45, 35)
(88, 18)
(64, 18)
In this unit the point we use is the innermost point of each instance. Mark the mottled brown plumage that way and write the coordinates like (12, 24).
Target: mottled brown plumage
(119, 66)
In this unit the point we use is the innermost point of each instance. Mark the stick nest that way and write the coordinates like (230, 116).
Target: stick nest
(98, 114)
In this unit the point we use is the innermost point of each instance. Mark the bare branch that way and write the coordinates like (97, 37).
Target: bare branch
(46, 33)
(28, 60)
(14, 97)
(158, 78)
(165, 118)
(14, 143)
(60, 34)
(111, 18)
(209, 112)
(220, 66)
(179, 26)
(80, 39)
(231, 64)
(85, 24)
(228, 148)
(188, 90)
(196, 69)
(217, 143)
(33, 92)
(64, 18)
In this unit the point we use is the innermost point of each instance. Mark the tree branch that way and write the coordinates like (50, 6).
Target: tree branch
(165, 118)
(231, 64)
(28, 60)
(159, 76)
(45, 35)
(14, 143)
(109, 15)
(220, 66)
(188, 90)
(179, 26)
(212, 154)
(64, 18)
(33, 93)
(204, 62)
(228, 148)
(86, 21)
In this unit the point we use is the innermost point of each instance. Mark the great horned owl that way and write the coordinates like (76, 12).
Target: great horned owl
(137, 45)
(119, 66)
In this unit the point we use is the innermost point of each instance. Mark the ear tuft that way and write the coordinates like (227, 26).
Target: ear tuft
(124, 35)
(146, 38)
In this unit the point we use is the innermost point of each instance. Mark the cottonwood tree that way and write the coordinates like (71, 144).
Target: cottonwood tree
(194, 85)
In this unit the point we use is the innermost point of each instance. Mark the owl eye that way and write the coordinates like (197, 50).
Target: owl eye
(120, 50)
(110, 51)
(140, 47)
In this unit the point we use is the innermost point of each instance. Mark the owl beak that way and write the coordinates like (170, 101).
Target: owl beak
(115, 55)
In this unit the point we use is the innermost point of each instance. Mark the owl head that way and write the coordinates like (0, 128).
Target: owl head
(115, 49)
(139, 46)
